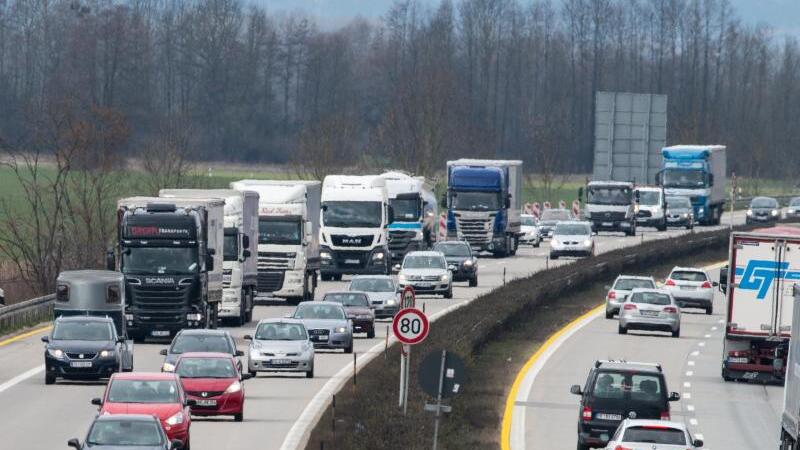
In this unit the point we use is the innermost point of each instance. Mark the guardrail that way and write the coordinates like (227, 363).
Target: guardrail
(27, 313)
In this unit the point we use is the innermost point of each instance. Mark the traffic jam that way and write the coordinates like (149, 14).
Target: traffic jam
(189, 261)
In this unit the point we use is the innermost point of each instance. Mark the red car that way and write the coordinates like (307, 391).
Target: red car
(214, 382)
(155, 394)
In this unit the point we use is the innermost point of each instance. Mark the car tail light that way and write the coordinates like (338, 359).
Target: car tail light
(665, 415)
(629, 306)
(706, 285)
(612, 295)
(619, 447)
(671, 309)
(587, 414)
(670, 282)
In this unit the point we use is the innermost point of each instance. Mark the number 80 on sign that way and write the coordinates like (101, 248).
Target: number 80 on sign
(410, 326)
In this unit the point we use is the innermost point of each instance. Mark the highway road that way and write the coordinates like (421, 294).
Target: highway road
(35, 416)
(730, 416)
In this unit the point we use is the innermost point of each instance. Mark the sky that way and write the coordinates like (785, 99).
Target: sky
(781, 15)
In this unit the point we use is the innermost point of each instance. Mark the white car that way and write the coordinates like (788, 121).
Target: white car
(622, 287)
(530, 231)
(572, 238)
(280, 345)
(691, 287)
(427, 273)
(635, 434)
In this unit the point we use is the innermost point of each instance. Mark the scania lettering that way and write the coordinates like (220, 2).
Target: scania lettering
(699, 173)
(484, 204)
(611, 206)
(239, 266)
(170, 253)
(415, 211)
(355, 216)
(288, 236)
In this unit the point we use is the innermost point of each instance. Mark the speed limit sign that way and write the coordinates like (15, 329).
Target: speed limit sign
(410, 326)
(409, 299)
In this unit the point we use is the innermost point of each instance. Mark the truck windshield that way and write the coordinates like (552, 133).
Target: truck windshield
(352, 214)
(610, 195)
(405, 209)
(231, 248)
(649, 198)
(286, 232)
(161, 260)
(682, 178)
(475, 201)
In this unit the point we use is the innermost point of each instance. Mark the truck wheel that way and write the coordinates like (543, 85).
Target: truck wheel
(252, 305)
(473, 282)
(371, 333)
(663, 226)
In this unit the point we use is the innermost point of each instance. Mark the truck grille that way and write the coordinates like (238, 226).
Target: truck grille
(399, 239)
(226, 277)
(475, 231)
(158, 298)
(644, 213)
(340, 240)
(273, 261)
(270, 280)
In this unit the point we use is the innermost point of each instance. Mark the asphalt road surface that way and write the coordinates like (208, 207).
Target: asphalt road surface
(35, 416)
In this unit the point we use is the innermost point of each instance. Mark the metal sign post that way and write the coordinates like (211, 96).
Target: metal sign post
(410, 326)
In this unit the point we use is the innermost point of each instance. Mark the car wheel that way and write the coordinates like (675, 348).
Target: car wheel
(337, 277)
(349, 348)
(553, 257)
(676, 333)
(371, 333)
(188, 445)
(310, 373)
(449, 293)
(582, 446)
(49, 378)
(537, 244)
(710, 310)
(252, 373)
(622, 330)
(473, 282)
(239, 417)
(609, 314)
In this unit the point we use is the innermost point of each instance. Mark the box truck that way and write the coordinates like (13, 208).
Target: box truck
(699, 173)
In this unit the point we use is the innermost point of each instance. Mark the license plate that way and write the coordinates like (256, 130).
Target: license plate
(226, 278)
(281, 361)
(352, 261)
(206, 402)
(604, 416)
(321, 337)
(423, 285)
(650, 313)
(688, 288)
(159, 333)
(608, 224)
(738, 360)
(80, 364)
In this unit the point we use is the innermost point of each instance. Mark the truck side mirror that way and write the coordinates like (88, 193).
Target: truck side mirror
(245, 241)
(658, 178)
(212, 251)
(210, 261)
(111, 260)
(508, 201)
(637, 195)
(580, 194)
(246, 253)
(389, 214)
(711, 179)
(723, 279)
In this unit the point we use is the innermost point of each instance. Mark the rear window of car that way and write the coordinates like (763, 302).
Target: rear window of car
(629, 284)
(688, 275)
(655, 435)
(650, 298)
(627, 385)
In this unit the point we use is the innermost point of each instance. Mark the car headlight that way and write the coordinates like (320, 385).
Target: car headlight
(178, 418)
(234, 387)
(749, 212)
(340, 330)
(444, 278)
(107, 354)
(325, 255)
(790, 211)
(378, 256)
(774, 212)
(587, 243)
(391, 302)
(55, 353)
(167, 367)
(685, 215)
(468, 263)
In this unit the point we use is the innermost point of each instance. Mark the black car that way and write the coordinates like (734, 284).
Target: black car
(616, 390)
(460, 260)
(129, 431)
(763, 210)
(82, 347)
(203, 341)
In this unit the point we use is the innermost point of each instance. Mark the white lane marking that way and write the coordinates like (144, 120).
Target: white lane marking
(687, 395)
(690, 407)
(687, 384)
(702, 344)
(691, 363)
(707, 336)
(696, 353)
(722, 321)
(689, 373)
(20, 378)
(693, 421)
(713, 328)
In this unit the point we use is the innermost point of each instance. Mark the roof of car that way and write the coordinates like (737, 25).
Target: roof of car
(610, 183)
(573, 222)
(652, 422)
(650, 290)
(628, 365)
(319, 303)
(424, 253)
(205, 355)
(84, 319)
(344, 293)
(371, 277)
(128, 417)
(634, 277)
(280, 320)
(204, 332)
(688, 269)
(454, 242)
(144, 376)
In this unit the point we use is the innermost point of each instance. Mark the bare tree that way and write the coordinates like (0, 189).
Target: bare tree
(168, 158)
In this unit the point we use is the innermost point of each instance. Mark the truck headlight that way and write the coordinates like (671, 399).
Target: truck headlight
(774, 212)
(790, 211)
(418, 235)
(56, 353)
(176, 419)
(378, 256)
(107, 354)
(749, 212)
(194, 317)
(325, 255)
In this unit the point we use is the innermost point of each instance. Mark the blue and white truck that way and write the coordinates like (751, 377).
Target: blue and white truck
(415, 210)
(699, 173)
(484, 203)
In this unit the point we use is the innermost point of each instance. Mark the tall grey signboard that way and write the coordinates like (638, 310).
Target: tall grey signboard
(629, 132)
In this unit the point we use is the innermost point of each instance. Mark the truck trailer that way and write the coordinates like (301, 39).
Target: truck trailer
(699, 173)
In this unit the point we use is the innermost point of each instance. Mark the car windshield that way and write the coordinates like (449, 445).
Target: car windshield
(372, 285)
(795, 202)
(82, 331)
(143, 391)
(609, 195)
(650, 298)
(424, 262)
(556, 214)
(688, 275)
(572, 229)
(281, 332)
(160, 260)
(185, 343)
(654, 435)
(475, 201)
(319, 312)
(231, 248)
(205, 368)
(764, 202)
(629, 284)
(627, 385)
(406, 209)
(125, 432)
(528, 221)
(283, 232)
(347, 299)
(352, 214)
(683, 178)
(452, 249)
(678, 203)
(649, 198)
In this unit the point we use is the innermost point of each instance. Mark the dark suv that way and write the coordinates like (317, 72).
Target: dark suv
(461, 261)
(616, 390)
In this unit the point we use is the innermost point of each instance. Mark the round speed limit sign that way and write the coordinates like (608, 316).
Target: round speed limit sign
(410, 326)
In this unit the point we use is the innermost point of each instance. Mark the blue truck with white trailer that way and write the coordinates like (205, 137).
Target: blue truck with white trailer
(699, 173)
(484, 203)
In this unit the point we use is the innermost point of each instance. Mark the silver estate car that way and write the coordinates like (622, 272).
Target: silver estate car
(622, 287)
(327, 325)
(692, 288)
(653, 435)
(280, 345)
(382, 293)
(427, 273)
(650, 309)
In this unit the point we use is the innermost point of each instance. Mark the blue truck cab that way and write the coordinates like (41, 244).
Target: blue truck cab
(697, 172)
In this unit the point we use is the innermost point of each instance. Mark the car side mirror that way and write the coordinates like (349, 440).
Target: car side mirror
(674, 396)
(163, 352)
(576, 390)
(715, 284)
(190, 402)
(397, 267)
(210, 261)
(239, 353)
(247, 337)
(121, 340)
(245, 376)
(45, 339)
(74, 443)
(246, 253)
(111, 260)
(697, 443)
(97, 401)
(176, 444)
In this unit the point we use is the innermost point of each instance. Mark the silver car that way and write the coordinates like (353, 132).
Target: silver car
(280, 345)
(427, 273)
(652, 435)
(622, 287)
(572, 239)
(327, 325)
(530, 231)
(691, 288)
(650, 309)
(382, 293)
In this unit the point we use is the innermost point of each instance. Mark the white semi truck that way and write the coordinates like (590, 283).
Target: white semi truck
(355, 216)
(415, 213)
(239, 266)
(288, 236)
